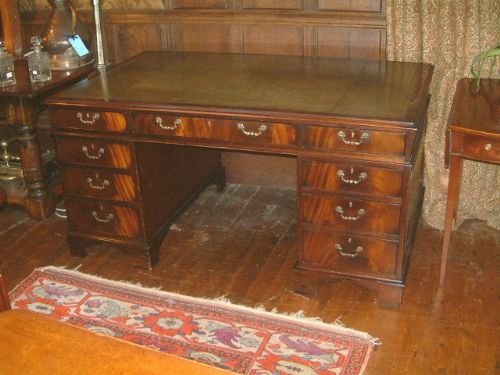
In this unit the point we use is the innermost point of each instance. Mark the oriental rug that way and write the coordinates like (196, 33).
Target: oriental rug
(236, 338)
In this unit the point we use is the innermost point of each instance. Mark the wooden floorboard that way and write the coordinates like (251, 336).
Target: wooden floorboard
(241, 244)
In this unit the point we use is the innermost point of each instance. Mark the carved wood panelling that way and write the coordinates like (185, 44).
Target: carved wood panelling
(279, 40)
(199, 37)
(131, 5)
(351, 5)
(351, 43)
(200, 4)
(125, 5)
(129, 40)
(273, 4)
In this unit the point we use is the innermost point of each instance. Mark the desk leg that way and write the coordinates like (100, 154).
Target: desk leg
(23, 115)
(456, 164)
(4, 295)
(3, 197)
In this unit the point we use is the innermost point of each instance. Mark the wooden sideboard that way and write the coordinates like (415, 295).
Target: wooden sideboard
(138, 142)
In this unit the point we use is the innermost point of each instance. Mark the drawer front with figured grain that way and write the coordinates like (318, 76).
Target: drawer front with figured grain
(481, 148)
(94, 153)
(359, 140)
(353, 215)
(89, 120)
(351, 255)
(233, 131)
(98, 217)
(97, 183)
(351, 178)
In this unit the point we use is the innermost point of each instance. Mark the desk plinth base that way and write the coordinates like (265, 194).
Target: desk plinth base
(388, 294)
(78, 244)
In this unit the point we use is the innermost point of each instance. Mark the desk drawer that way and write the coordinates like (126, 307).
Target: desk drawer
(360, 140)
(94, 153)
(92, 216)
(482, 148)
(352, 255)
(89, 120)
(351, 178)
(351, 215)
(247, 132)
(96, 183)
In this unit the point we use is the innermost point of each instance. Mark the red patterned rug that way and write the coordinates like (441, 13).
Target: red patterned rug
(240, 339)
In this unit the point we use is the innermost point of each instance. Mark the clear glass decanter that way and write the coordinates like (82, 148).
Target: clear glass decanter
(38, 62)
(7, 74)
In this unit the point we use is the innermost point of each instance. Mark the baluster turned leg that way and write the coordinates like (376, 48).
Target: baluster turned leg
(23, 115)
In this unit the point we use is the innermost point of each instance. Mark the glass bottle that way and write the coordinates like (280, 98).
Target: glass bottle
(7, 74)
(38, 62)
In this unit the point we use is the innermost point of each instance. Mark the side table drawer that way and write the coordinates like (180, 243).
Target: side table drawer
(95, 183)
(351, 215)
(247, 132)
(89, 120)
(360, 140)
(94, 153)
(481, 148)
(352, 255)
(350, 178)
(86, 215)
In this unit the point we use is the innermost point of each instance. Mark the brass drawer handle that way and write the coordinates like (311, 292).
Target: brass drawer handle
(340, 210)
(261, 130)
(488, 146)
(99, 155)
(346, 254)
(361, 177)
(352, 141)
(107, 219)
(104, 184)
(89, 119)
(159, 122)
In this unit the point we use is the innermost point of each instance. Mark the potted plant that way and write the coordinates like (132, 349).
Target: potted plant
(488, 56)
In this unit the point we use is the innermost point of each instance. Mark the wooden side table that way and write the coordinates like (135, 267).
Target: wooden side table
(473, 133)
(23, 102)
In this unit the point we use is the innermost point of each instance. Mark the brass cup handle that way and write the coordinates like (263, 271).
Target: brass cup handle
(159, 122)
(261, 130)
(354, 254)
(104, 184)
(99, 155)
(88, 119)
(361, 177)
(353, 141)
(107, 219)
(340, 210)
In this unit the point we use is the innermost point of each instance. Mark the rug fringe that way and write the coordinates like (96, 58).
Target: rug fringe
(221, 301)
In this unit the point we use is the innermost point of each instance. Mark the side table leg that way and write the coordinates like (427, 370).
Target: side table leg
(23, 115)
(456, 163)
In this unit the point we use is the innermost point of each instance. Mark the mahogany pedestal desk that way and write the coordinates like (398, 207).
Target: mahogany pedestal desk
(137, 143)
(473, 133)
(23, 104)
